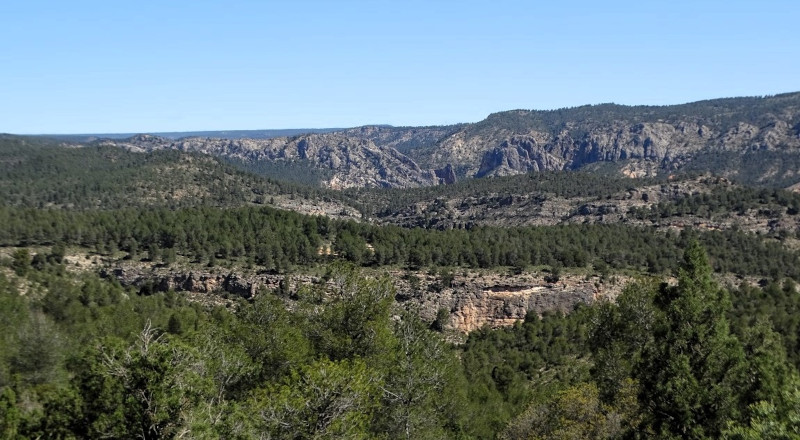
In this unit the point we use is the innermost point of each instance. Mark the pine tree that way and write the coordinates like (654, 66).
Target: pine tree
(690, 375)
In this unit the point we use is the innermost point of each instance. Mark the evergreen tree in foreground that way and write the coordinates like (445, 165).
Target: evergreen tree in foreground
(691, 374)
(695, 378)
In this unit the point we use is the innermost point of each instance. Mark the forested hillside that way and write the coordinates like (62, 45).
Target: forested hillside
(84, 357)
(41, 173)
(634, 140)
(367, 320)
(752, 140)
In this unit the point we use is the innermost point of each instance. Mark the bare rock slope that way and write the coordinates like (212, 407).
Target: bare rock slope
(646, 139)
(350, 161)
(472, 299)
(667, 137)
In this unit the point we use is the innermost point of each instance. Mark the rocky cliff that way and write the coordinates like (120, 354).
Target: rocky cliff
(643, 140)
(476, 299)
(472, 299)
(660, 138)
(403, 139)
(349, 160)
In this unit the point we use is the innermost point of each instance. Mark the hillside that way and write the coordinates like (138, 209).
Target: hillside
(51, 194)
(169, 286)
(755, 140)
(653, 139)
(42, 173)
(558, 198)
(345, 161)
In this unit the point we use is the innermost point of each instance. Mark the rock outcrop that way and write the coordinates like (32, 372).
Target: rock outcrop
(349, 161)
(668, 137)
(473, 300)
(647, 140)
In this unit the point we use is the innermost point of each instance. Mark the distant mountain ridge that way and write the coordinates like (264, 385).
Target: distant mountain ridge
(352, 161)
(659, 138)
(222, 134)
(721, 135)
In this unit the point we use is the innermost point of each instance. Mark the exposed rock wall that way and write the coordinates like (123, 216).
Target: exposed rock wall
(352, 161)
(473, 300)
(652, 139)
(667, 146)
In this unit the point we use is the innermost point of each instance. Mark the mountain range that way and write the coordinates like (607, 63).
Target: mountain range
(754, 140)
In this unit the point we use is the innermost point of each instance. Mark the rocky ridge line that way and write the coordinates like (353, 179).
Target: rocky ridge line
(472, 299)
(648, 140)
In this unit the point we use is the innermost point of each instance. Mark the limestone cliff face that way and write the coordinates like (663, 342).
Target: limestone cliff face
(648, 140)
(473, 300)
(503, 302)
(403, 139)
(478, 299)
(524, 207)
(351, 161)
(668, 137)
(667, 146)
(521, 153)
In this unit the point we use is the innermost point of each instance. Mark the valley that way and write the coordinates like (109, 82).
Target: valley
(397, 282)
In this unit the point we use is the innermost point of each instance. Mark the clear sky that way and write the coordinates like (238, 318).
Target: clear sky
(168, 65)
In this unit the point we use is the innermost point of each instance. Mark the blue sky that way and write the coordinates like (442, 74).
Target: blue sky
(148, 66)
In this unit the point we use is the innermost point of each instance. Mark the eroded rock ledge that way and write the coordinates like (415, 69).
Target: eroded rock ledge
(472, 299)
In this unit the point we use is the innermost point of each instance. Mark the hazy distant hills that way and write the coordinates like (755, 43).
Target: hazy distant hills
(753, 140)
(224, 134)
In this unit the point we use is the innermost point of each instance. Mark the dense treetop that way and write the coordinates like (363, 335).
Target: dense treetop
(82, 356)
